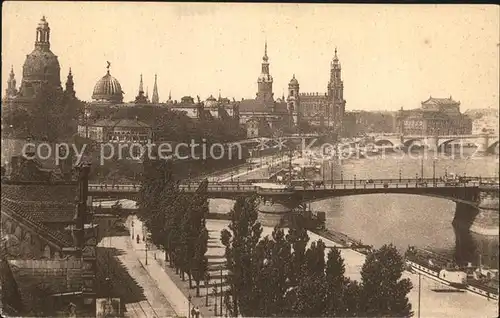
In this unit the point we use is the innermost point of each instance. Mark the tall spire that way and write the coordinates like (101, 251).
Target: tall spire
(155, 99)
(11, 84)
(147, 92)
(141, 87)
(265, 58)
(170, 95)
(70, 85)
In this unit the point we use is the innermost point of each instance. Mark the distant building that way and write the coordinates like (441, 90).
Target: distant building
(322, 109)
(41, 67)
(264, 107)
(437, 116)
(108, 94)
(484, 121)
(117, 131)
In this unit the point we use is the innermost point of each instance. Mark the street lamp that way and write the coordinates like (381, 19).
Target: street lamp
(341, 177)
(221, 291)
(399, 174)
(189, 306)
(434, 170)
(132, 229)
(215, 302)
(207, 280)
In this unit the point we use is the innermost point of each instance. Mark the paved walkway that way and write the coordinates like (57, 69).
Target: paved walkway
(164, 282)
(142, 296)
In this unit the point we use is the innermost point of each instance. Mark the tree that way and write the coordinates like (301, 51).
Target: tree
(240, 244)
(336, 284)
(383, 292)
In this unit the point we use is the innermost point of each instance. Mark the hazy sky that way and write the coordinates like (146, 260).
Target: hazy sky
(391, 55)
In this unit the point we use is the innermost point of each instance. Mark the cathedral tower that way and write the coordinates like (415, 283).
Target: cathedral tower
(336, 102)
(11, 90)
(265, 81)
(293, 101)
(70, 85)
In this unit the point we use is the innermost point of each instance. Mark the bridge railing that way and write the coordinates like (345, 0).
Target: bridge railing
(238, 186)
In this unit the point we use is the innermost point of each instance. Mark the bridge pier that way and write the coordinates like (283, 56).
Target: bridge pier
(482, 145)
(482, 219)
(432, 143)
(486, 221)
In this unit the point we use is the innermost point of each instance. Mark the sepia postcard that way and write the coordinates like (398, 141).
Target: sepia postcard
(175, 159)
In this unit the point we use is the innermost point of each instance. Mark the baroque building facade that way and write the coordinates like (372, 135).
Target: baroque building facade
(436, 117)
(320, 109)
(264, 113)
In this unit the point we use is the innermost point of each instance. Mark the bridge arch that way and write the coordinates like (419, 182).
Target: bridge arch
(384, 142)
(409, 142)
(493, 145)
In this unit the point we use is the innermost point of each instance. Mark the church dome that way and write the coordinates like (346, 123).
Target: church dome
(42, 64)
(210, 101)
(108, 89)
(294, 81)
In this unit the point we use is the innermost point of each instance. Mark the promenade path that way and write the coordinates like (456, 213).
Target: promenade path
(152, 303)
(163, 281)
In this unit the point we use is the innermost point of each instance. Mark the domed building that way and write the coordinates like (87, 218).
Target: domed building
(108, 89)
(41, 67)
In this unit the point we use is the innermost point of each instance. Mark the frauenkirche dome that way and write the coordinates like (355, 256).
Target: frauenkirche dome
(108, 89)
(41, 65)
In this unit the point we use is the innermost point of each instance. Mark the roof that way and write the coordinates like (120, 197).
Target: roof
(57, 236)
(122, 123)
(44, 207)
(46, 277)
(256, 106)
(440, 101)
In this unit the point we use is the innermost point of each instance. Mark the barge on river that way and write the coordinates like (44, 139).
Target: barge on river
(477, 280)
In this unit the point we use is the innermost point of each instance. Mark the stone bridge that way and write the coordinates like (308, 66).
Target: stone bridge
(485, 143)
(472, 197)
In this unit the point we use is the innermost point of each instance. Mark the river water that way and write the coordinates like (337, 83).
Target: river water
(405, 220)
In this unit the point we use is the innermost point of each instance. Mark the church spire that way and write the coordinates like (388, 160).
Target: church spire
(141, 87)
(70, 85)
(155, 99)
(265, 58)
(11, 84)
(140, 98)
(265, 80)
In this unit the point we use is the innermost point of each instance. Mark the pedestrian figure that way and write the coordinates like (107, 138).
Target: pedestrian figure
(138, 238)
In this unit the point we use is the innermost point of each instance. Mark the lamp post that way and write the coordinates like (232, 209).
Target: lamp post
(434, 170)
(341, 177)
(399, 174)
(189, 306)
(132, 228)
(207, 280)
(422, 168)
(221, 291)
(215, 302)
